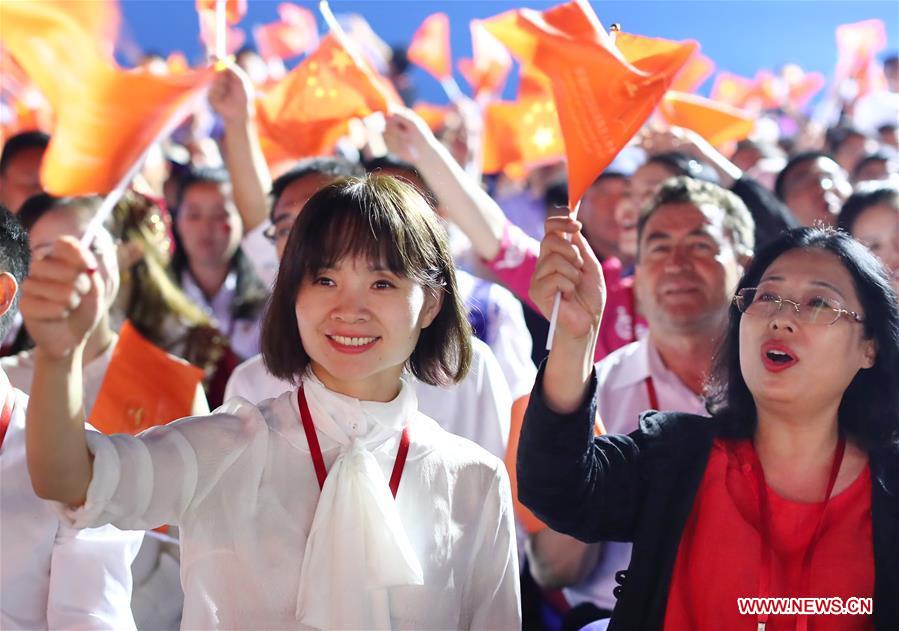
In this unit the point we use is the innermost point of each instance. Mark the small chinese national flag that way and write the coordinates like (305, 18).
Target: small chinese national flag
(602, 96)
(307, 111)
(430, 46)
(487, 70)
(694, 73)
(143, 387)
(733, 89)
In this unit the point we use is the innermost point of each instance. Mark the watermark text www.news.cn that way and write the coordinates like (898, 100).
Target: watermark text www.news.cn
(833, 605)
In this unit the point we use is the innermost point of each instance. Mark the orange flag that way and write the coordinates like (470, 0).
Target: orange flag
(234, 9)
(801, 86)
(602, 97)
(694, 73)
(430, 46)
(143, 387)
(294, 34)
(487, 70)
(306, 112)
(732, 89)
(105, 117)
(716, 122)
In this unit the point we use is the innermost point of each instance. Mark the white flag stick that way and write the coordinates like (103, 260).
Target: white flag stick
(221, 30)
(452, 89)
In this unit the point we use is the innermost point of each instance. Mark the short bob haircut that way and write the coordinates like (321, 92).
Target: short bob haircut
(388, 222)
(869, 410)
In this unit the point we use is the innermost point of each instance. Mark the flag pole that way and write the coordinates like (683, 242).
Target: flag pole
(452, 89)
(221, 29)
(614, 29)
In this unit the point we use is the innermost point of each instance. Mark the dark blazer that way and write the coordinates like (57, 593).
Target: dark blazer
(640, 488)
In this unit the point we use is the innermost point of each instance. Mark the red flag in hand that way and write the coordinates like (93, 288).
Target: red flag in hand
(105, 117)
(430, 47)
(307, 111)
(143, 387)
(602, 97)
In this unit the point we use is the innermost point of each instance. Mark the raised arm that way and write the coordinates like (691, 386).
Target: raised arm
(60, 303)
(231, 96)
(460, 196)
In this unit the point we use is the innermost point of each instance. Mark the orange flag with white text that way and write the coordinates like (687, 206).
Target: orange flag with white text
(143, 387)
(430, 46)
(308, 110)
(602, 97)
(105, 117)
(716, 122)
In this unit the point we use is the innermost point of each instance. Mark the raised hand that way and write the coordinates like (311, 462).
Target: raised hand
(569, 267)
(231, 95)
(61, 298)
(407, 135)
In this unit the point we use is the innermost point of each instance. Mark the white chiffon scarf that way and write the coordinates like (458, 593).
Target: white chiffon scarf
(357, 545)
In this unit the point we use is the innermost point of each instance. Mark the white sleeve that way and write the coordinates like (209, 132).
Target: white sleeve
(511, 342)
(493, 591)
(493, 400)
(262, 253)
(145, 481)
(90, 578)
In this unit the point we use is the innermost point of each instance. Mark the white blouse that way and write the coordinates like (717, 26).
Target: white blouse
(51, 575)
(241, 485)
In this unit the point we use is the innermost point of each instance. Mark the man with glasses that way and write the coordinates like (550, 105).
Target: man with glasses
(814, 187)
(693, 240)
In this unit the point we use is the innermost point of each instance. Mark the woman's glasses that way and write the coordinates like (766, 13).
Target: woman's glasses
(812, 310)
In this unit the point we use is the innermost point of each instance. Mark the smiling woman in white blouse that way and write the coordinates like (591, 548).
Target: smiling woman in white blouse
(335, 505)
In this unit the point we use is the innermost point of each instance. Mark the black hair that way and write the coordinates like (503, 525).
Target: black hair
(20, 142)
(869, 410)
(797, 160)
(877, 156)
(836, 136)
(737, 221)
(866, 194)
(15, 257)
(321, 165)
(199, 175)
(39, 205)
(386, 221)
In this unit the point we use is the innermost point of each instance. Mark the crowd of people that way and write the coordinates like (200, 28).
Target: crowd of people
(717, 418)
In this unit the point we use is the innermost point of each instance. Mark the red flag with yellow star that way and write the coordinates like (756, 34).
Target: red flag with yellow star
(602, 97)
(521, 134)
(234, 9)
(308, 111)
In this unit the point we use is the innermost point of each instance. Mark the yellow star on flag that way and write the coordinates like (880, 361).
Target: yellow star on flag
(543, 138)
(340, 61)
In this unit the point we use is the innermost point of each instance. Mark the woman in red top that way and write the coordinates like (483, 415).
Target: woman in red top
(790, 491)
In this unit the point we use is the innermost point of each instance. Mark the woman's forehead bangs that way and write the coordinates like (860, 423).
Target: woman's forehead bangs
(382, 234)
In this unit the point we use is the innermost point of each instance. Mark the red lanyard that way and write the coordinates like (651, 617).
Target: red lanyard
(765, 523)
(316, 452)
(651, 391)
(8, 399)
